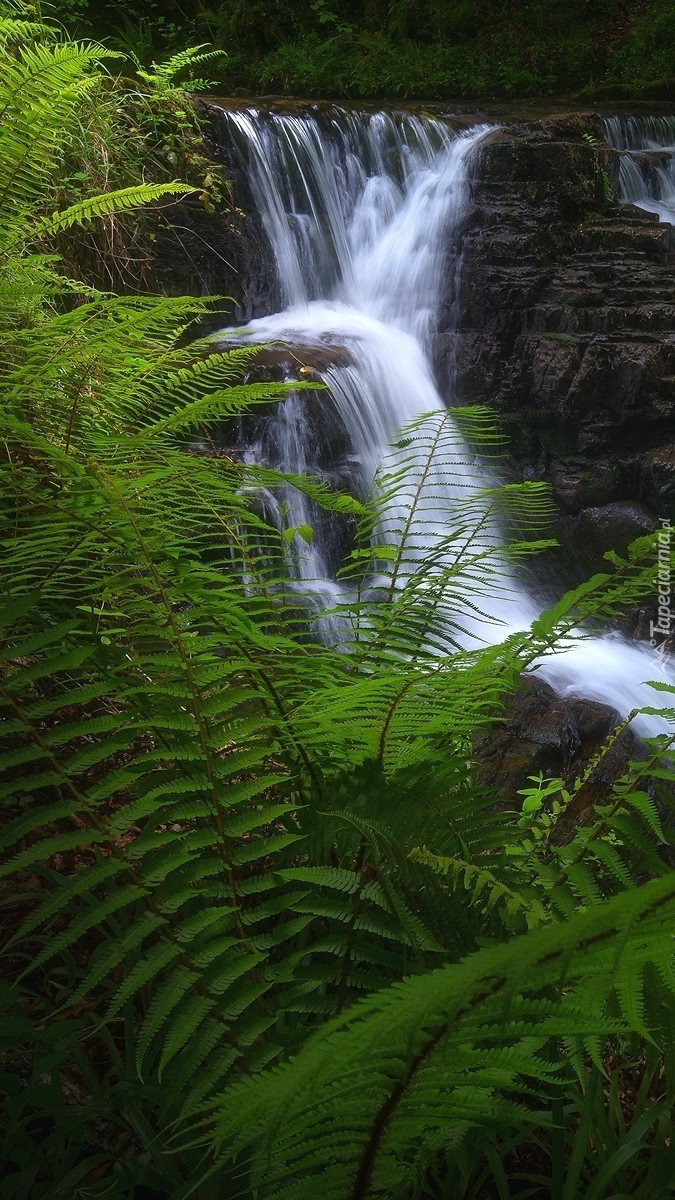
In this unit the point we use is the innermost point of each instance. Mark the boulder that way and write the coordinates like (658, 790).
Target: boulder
(559, 737)
(610, 527)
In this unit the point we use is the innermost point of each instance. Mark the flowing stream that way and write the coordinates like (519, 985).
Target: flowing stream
(646, 147)
(363, 216)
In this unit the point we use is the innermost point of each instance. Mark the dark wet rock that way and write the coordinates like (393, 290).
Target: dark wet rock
(579, 483)
(606, 527)
(657, 477)
(196, 252)
(328, 447)
(329, 452)
(559, 737)
(567, 315)
(298, 361)
(219, 252)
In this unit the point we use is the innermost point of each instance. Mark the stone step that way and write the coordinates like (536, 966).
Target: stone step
(655, 245)
(607, 319)
(650, 310)
(515, 250)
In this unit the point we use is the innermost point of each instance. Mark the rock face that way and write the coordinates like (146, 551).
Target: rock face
(567, 328)
(219, 252)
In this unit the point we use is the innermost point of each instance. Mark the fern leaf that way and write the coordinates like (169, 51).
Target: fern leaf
(432, 1031)
(110, 202)
(120, 898)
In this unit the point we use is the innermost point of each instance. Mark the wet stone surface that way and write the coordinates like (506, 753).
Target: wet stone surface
(567, 319)
(543, 732)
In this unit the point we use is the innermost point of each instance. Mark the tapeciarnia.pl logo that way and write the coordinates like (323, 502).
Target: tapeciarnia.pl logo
(661, 630)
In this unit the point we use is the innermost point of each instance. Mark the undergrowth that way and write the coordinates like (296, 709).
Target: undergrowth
(423, 49)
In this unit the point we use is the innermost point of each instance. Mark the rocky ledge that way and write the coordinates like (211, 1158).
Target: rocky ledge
(567, 328)
(545, 734)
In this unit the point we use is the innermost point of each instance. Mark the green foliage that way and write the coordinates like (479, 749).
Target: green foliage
(645, 56)
(118, 132)
(406, 48)
(373, 64)
(602, 174)
(267, 932)
(162, 78)
(378, 1094)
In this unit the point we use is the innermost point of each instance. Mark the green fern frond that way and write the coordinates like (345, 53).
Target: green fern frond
(17, 30)
(38, 94)
(95, 207)
(407, 1050)
(162, 78)
(478, 880)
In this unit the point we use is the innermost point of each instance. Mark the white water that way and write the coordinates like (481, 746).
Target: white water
(646, 146)
(362, 213)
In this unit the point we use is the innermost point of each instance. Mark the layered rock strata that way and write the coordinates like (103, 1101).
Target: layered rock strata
(567, 328)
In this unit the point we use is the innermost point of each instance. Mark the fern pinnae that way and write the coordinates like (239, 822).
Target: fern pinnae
(81, 884)
(477, 879)
(121, 897)
(641, 916)
(17, 29)
(41, 83)
(110, 202)
(59, 843)
(107, 960)
(412, 506)
(90, 881)
(645, 806)
(223, 840)
(590, 837)
(101, 873)
(384, 730)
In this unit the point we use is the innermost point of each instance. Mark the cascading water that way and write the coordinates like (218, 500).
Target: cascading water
(362, 213)
(646, 147)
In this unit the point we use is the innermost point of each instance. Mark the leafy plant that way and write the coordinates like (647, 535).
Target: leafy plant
(377, 1095)
(162, 78)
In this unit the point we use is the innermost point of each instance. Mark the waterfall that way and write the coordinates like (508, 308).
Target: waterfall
(646, 175)
(362, 213)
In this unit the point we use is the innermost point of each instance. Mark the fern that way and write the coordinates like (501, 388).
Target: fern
(377, 1094)
(436, 547)
(109, 202)
(162, 78)
(478, 881)
(40, 89)
(15, 29)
